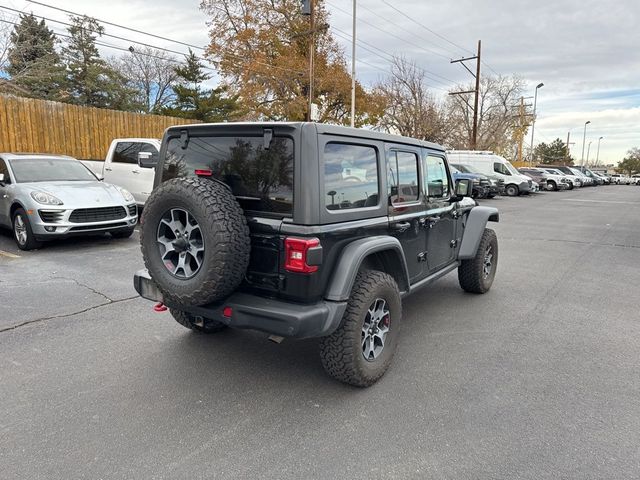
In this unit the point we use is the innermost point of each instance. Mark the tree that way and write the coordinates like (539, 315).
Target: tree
(261, 48)
(32, 62)
(150, 74)
(410, 109)
(553, 153)
(496, 116)
(631, 163)
(91, 81)
(194, 101)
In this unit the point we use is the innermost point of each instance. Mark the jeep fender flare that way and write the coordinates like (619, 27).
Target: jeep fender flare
(474, 227)
(387, 249)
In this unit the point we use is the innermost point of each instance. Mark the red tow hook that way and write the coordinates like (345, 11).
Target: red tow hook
(159, 307)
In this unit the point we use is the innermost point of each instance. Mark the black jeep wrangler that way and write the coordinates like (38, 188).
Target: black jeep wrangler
(308, 230)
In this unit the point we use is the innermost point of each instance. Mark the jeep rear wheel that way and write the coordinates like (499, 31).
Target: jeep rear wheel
(197, 323)
(476, 274)
(361, 349)
(195, 241)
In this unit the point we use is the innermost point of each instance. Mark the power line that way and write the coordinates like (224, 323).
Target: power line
(238, 57)
(403, 28)
(436, 33)
(377, 51)
(394, 35)
(69, 12)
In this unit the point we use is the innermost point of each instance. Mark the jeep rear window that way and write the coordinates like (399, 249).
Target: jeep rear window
(261, 179)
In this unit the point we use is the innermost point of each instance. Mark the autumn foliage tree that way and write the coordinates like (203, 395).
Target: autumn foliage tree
(261, 48)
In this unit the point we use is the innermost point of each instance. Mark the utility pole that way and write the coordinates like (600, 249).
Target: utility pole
(521, 133)
(598, 154)
(477, 58)
(584, 140)
(533, 120)
(353, 70)
(312, 53)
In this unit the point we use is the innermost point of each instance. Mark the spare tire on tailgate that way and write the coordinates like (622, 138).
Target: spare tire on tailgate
(195, 241)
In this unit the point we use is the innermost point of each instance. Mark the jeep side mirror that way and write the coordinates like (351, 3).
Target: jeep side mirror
(147, 160)
(463, 188)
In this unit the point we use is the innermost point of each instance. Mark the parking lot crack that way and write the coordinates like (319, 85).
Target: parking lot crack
(80, 284)
(65, 315)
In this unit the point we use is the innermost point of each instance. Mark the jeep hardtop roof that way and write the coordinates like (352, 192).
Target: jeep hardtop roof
(321, 128)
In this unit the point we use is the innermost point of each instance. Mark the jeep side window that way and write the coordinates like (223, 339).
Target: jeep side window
(403, 177)
(436, 177)
(501, 168)
(350, 176)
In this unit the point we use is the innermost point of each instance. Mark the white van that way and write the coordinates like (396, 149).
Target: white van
(491, 164)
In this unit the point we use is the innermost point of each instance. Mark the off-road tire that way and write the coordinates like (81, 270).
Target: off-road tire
(471, 273)
(197, 324)
(341, 352)
(31, 243)
(122, 233)
(512, 190)
(224, 231)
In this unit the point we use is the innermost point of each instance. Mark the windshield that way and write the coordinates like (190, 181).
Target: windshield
(455, 170)
(50, 170)
(511, 168)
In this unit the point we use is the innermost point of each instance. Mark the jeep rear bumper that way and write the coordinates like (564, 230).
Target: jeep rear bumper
(277, 317)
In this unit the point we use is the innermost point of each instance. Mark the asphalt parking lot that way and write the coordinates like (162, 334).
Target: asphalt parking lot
(539, 378)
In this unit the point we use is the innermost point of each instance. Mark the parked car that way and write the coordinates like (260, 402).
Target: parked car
(129, 164)
(620, 179)
(576, 178)
(496, 185)
(606, 180)
(480, 186)
(538, 176)
(635, 179)
(44, 197)
(489, 163)
(559, 177)
(323, 249)
(588, 173)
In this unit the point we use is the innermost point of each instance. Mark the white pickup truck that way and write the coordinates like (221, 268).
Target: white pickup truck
(129, 164)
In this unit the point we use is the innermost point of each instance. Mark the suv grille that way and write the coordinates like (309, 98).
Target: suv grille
(102, 214)
(51, 216)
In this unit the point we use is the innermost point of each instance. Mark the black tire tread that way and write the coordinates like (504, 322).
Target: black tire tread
(32, 243)
(470, 271)
(225, 223)
(337, 350)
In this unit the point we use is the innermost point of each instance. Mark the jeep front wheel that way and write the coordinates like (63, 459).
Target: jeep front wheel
(476, 274)
(361, 349)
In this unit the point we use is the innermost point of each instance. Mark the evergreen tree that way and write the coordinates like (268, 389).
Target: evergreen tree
(194, 101)
(91, 81)
(554, 152)
(33, 63)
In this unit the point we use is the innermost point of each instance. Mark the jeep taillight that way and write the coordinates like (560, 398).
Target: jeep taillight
(302, 255)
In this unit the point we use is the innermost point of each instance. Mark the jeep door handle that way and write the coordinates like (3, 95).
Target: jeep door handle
(135, 171)
(108, 169)
(433, 220)
(402, 226)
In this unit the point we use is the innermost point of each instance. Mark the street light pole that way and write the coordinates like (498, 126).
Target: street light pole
(588, 148)
(584, 139)
(533, 122)
(353, 70)
(598, 154)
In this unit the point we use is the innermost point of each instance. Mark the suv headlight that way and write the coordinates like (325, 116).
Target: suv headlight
(126, 194)
(45, 198)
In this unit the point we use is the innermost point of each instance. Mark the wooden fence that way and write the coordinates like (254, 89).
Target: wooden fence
(38, 126)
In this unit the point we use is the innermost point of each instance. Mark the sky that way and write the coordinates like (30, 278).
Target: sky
(586, 52)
